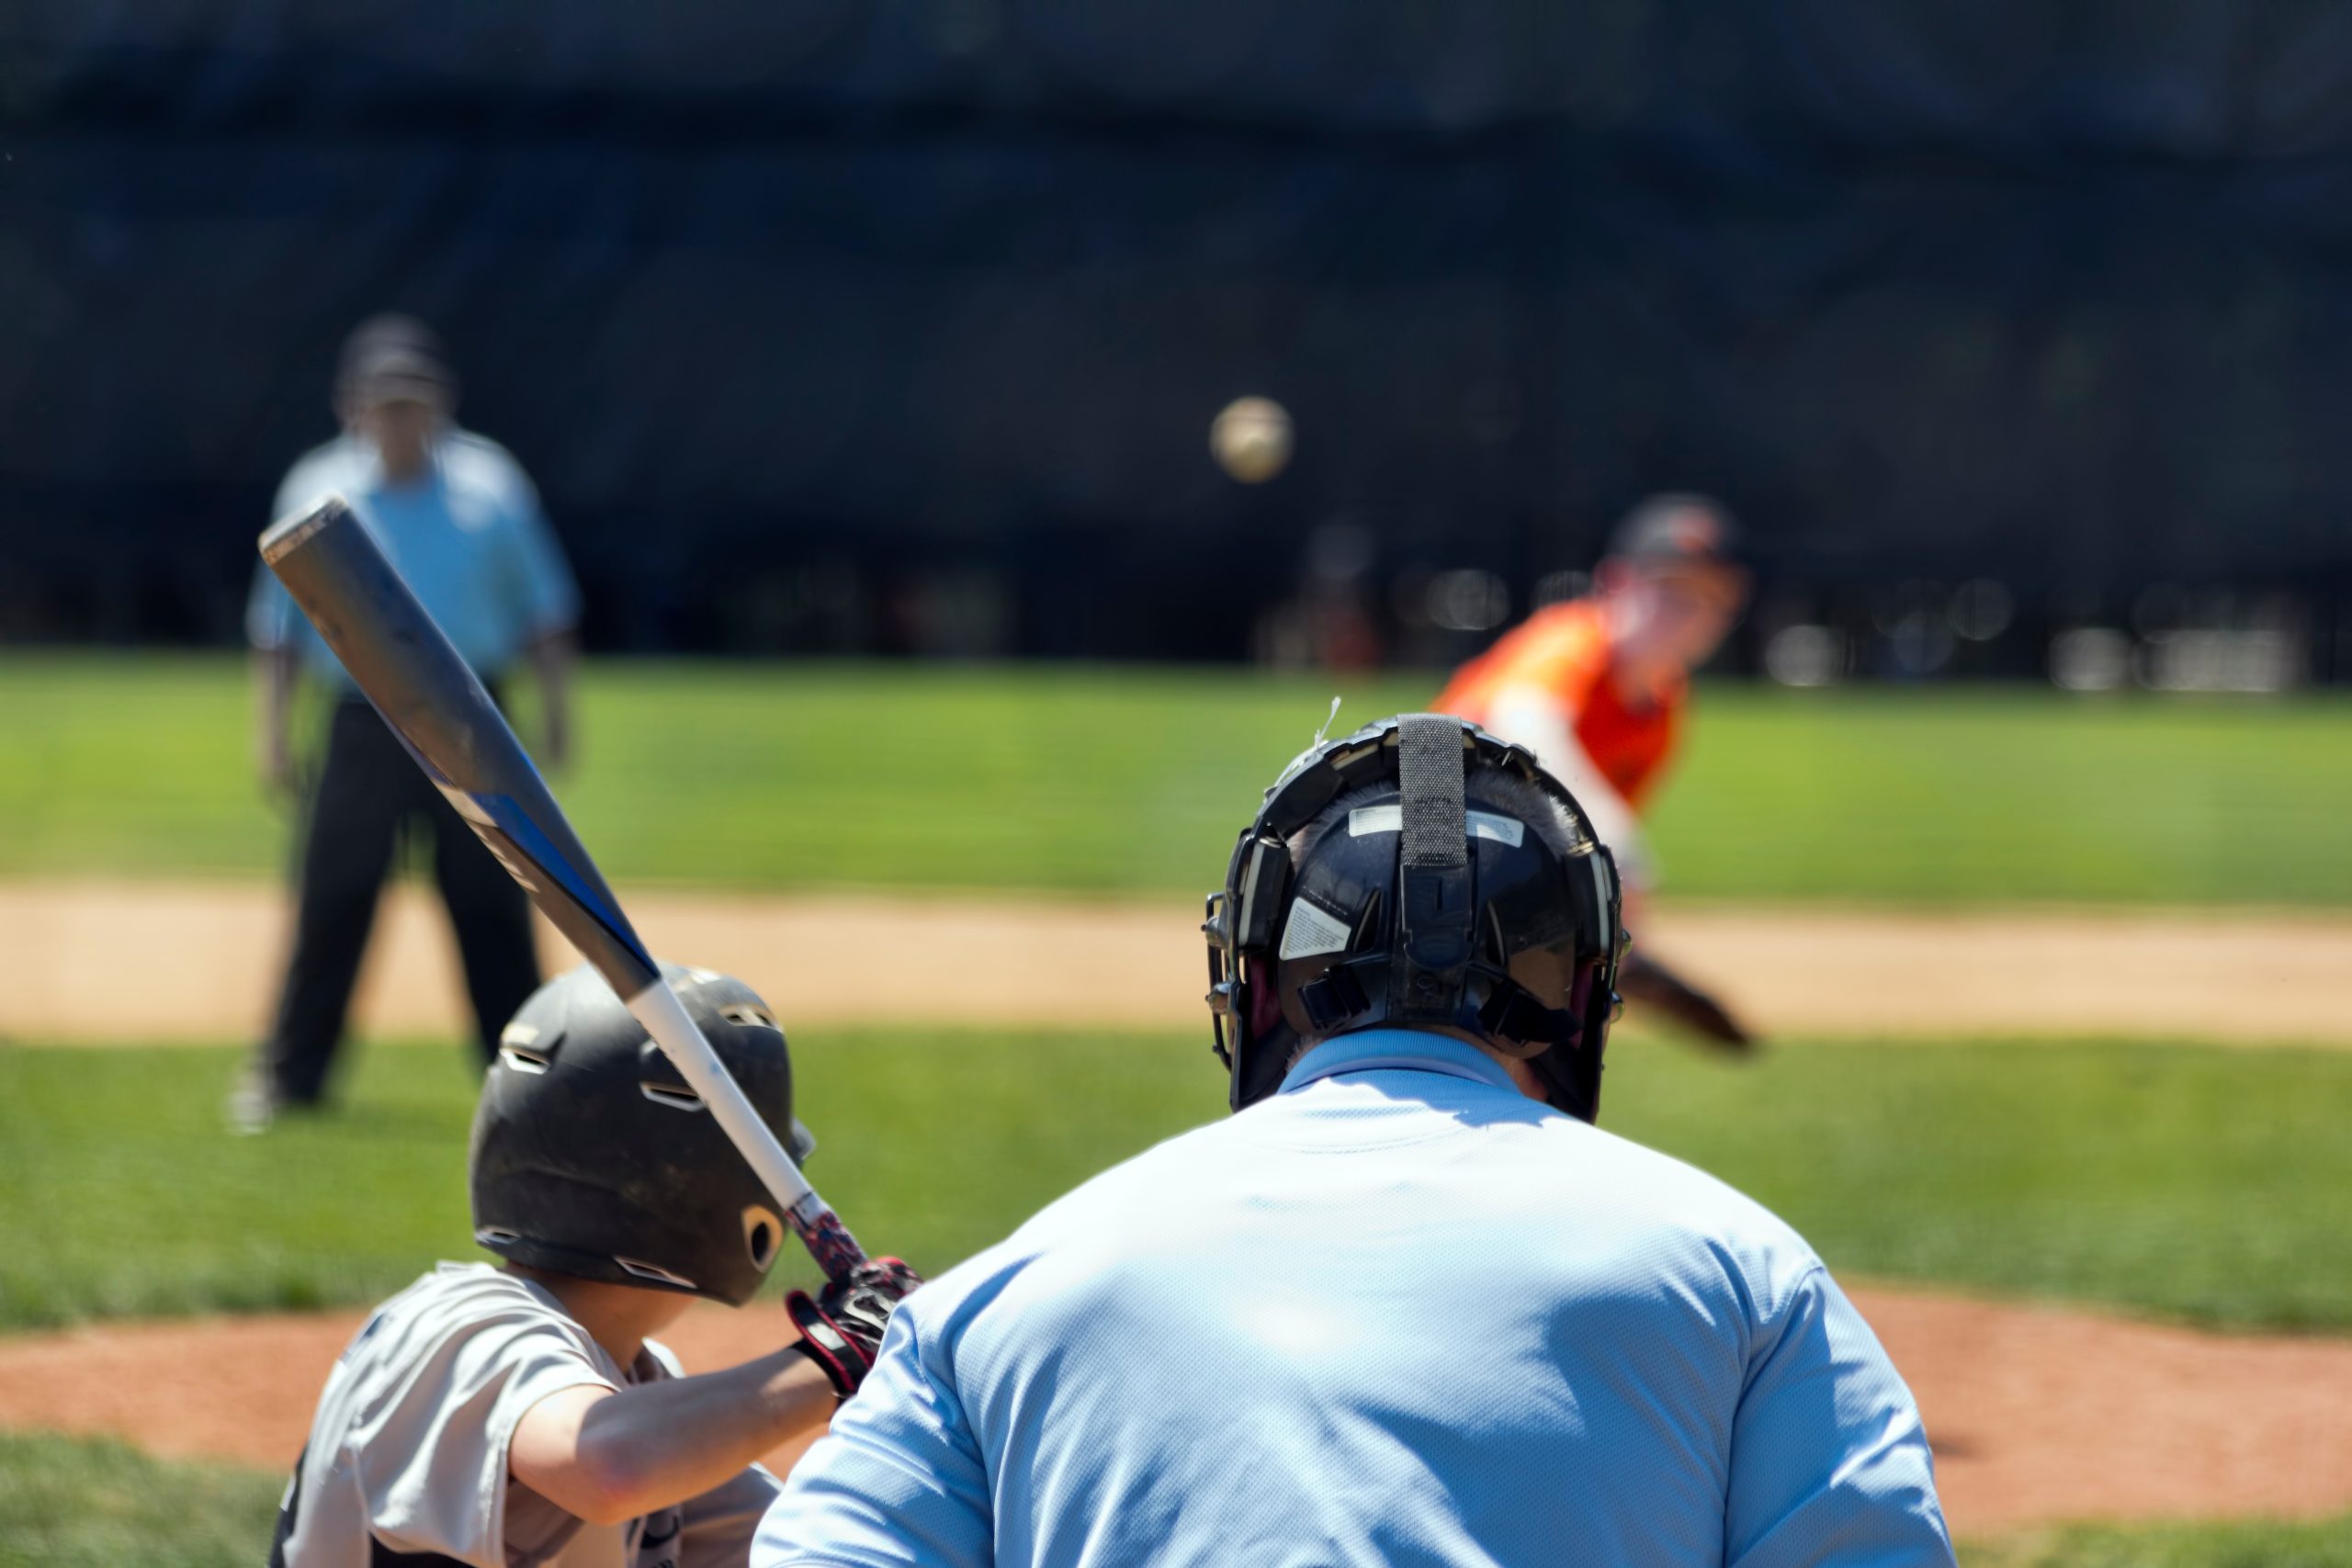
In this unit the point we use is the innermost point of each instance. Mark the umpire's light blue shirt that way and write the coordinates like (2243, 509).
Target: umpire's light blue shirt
(468, 537)
(1397, 1313)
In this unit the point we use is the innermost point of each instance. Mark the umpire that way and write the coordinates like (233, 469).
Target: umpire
(1409, 1305)
(460, 520)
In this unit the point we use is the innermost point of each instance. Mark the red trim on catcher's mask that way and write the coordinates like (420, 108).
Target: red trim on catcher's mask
(1580, 1005)
(1265, 997)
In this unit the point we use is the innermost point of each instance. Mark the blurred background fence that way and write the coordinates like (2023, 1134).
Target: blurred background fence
(2016, 331)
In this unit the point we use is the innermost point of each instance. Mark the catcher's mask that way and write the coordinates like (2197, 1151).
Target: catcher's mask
(1428, 902)
(592, 1156)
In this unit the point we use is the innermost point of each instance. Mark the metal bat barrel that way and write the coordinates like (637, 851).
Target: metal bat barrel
(400, 657)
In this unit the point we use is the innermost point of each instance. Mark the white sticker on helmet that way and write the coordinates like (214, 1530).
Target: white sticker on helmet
(1502, 830)
(1310, 930)
(654, 1272)
(677, 1097)
(1366, 819)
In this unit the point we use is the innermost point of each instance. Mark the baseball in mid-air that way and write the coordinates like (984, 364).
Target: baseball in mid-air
(1251, 439)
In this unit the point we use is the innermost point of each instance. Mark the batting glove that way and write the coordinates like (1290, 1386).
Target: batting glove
(841, 1327)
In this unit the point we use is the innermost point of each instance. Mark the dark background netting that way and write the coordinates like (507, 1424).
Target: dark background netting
(795, 312)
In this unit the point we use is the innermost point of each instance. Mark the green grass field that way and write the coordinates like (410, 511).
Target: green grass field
(2187, 1183)
(73, 1502)
(2326, 1543)
(1128, 780)
(2170, 1180)
(66, 1503)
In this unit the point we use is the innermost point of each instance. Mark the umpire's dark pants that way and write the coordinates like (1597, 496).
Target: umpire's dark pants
(369, 793)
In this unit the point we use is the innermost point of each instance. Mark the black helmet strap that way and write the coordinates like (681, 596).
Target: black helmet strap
(1433, 872)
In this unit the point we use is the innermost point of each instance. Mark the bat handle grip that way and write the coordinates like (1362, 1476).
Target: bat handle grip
(827, 1240)
(673, 1029)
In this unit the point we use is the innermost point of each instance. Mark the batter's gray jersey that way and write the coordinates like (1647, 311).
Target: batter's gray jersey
(407, 1456)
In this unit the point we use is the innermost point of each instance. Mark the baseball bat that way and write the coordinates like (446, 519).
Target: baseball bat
(401, 660)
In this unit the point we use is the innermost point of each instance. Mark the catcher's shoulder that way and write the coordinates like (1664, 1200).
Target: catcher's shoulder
(1674, 1204)
(1102, 1218)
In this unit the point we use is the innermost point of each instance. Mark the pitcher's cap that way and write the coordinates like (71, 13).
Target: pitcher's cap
(1674, 528)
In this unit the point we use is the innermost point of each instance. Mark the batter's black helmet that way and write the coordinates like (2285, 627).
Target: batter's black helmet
(593, 1157)
(1431, 899)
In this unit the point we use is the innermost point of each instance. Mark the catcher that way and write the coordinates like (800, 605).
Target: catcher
(519, 1417)
(1596, 686)
(1408, 1305)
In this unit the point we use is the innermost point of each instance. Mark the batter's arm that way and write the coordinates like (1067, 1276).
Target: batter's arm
(607, 1455)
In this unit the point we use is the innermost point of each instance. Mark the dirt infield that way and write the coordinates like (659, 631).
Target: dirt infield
(2037, 1415)
(113, 961)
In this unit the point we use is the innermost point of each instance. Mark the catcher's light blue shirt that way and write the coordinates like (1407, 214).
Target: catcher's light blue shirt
(468, 537)
(1397, 1313)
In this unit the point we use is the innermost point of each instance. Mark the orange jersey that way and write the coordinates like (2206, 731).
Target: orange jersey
(1562, 651)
